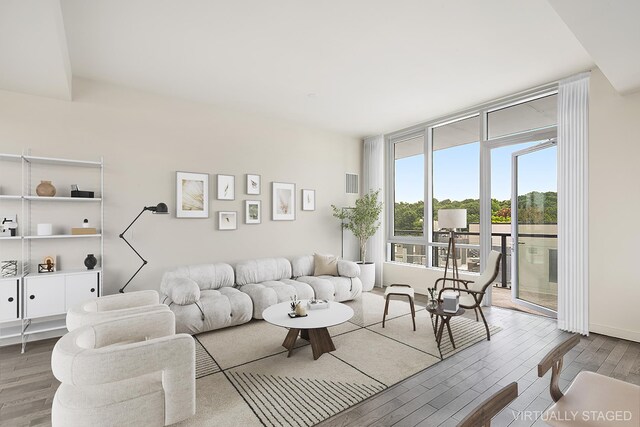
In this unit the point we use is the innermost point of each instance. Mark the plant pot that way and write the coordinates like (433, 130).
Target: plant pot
(367, 275)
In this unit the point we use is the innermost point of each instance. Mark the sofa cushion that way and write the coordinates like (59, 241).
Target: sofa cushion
(325, 265)
(206, 276)
(262, 270)
(348, 268)
(216, 309)
(302, 265)
(270, 292)
(181, 290)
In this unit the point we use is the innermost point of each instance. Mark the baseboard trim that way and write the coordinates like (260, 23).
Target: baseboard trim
(33, 337)
(614, 332)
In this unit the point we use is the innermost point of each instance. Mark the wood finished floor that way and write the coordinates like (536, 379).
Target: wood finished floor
(440, 395)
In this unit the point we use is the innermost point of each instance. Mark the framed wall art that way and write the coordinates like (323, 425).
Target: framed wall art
(283, 200)
(252, 212)
(227, 220)
(192, 195)
(308, 200)
(253, 184)
(226, 187)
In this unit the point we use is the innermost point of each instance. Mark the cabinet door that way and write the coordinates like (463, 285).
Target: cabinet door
(80, 288)
(43, 296)
(9, 301)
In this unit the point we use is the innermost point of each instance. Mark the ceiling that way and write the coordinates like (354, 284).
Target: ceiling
(358, 67)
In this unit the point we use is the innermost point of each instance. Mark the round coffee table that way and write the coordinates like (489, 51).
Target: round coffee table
(446, 317)
(312, 328)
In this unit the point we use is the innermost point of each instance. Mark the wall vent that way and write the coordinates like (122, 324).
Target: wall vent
(352, 183)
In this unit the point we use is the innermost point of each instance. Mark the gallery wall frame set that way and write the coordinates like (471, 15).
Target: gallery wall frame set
(226, 185)
(227, 220)
(308, 200)
(192, 195)
(254, 184)
(252, 212)
(283, 201)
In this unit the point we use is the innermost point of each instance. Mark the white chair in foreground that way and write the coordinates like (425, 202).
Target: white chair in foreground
(112, 307)
(131, 371)
(592, 399)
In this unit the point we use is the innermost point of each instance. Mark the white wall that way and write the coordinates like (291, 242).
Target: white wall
(614, 208)
(145, 139)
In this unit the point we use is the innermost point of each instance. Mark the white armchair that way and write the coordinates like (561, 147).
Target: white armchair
(129, 371)
(112, 307)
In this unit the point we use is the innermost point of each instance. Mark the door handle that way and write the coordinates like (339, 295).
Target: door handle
(32, 297)
(93, 289)
(10, 299)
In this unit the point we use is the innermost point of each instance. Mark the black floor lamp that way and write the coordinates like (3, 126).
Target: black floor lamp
(451, 219)
(161, 208)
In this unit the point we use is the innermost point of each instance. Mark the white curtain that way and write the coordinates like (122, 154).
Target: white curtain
(573, 213)
(373, 179)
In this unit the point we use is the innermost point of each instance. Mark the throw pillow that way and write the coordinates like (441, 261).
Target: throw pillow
(325, 265)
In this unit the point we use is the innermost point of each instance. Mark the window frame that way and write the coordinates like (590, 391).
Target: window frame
(426, 130)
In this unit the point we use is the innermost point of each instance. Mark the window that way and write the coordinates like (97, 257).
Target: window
(408, 205)
(535, 114)
(456, 185)
(437, 165)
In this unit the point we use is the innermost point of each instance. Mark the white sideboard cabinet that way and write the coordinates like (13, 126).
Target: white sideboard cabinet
(9, 299)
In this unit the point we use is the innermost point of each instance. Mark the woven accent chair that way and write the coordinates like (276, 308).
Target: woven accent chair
(473, 291)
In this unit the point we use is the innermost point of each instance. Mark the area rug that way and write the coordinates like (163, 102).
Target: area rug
(245, 378)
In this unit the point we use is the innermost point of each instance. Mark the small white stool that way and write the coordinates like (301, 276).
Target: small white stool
(398, 289)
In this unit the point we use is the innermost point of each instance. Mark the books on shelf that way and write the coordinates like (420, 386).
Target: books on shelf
(77, 231)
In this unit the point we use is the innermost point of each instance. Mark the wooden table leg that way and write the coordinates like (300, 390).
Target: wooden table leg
(450, 334)
(320, 342)
(440, 330)
(304, 334)
(290, 340)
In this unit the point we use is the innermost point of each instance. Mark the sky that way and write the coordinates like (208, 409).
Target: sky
(456, 173)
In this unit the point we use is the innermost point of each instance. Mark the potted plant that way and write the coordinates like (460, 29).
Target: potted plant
(362, 221)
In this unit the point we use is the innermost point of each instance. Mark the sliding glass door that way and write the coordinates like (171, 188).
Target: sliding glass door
(534, 228)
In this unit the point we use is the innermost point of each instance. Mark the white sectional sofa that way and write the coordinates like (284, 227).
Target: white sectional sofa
(203, 298)
(214, 296)
(268, 281)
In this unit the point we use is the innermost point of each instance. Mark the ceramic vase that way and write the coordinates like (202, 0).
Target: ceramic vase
(45, 189)
(300, 310)
(90, 262)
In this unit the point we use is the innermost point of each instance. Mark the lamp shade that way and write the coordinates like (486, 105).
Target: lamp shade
(452, 218)
(161, 208)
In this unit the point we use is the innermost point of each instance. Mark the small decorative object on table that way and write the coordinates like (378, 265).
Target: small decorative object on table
(84, 230)
(297, 309)
(79, 193)
(9, 226)
(90, 262)
(8, 268)
(48, 265)
(45, 189)
(450, 302)
(317, 304)
(44, 229)
(432, 297)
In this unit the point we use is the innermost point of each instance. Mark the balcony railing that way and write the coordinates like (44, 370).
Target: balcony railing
(468, 251)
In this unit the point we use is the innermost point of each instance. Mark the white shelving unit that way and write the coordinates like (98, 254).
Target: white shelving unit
(35, 303)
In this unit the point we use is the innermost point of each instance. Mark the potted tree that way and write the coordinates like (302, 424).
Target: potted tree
(362, 221)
